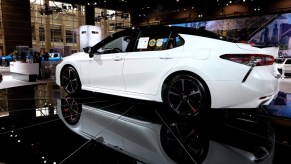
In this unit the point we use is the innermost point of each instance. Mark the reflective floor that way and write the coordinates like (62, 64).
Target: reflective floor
(40, 123)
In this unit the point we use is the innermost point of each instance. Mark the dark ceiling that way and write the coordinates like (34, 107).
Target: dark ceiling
(135, 5)
(165, 10)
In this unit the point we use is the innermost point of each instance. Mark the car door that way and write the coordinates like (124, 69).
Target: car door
(104, 69)
(153, 57)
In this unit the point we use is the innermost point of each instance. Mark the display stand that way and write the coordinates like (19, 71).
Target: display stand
(24, 71)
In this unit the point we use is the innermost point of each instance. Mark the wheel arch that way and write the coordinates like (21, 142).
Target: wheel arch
(183, 72)
(70, 65)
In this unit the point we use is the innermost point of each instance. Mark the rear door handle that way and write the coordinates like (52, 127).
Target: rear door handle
(117, 58)
(166, 57)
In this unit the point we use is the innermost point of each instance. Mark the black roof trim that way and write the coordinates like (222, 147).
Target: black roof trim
(192, 31)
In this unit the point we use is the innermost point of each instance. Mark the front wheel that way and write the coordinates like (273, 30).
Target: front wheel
(70, 80)
(186, 95)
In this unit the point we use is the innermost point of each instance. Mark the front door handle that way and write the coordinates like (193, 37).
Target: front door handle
(117, 58)
(166, 57)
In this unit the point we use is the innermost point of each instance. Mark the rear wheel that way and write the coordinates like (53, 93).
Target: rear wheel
(70, 80)
(186, 95)
(184, 143)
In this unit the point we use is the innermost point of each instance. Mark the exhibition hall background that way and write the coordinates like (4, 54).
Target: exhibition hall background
(54, 25)
(44, 24)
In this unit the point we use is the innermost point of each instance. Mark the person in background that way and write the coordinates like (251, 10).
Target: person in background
(46, 56)
(37, 59)
(23, 57)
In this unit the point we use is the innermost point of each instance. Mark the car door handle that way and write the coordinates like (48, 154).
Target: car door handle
(117, 58)
(165, 57)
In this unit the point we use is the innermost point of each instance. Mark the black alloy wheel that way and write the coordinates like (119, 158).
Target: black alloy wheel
(186, 96)
(183, 143)
(70, 80)
(71, 111)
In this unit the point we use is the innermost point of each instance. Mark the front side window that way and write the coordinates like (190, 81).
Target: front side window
(116, 43)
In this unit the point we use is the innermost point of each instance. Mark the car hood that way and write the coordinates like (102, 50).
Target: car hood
(77, 56)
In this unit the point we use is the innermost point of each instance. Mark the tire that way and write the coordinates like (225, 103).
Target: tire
(70, 80)
(186, 96)
(184, 143)
(71, 111)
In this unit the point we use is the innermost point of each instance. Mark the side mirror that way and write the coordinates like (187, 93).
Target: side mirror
(86, 49)
(91, 54)
(89, 50)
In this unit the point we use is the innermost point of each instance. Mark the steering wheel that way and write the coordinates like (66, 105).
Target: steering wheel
(116, 50)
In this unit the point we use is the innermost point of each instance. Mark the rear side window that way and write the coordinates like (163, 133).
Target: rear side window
(157, 40)
(288, 61)
(179, 41)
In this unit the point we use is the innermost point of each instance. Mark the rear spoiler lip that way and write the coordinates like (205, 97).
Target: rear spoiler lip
(274, 51)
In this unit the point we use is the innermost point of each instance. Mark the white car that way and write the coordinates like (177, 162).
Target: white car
(284, 65)
(187, 69)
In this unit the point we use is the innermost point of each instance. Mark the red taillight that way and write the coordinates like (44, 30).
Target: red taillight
(250, 59)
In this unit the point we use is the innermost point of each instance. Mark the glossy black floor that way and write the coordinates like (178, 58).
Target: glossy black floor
(34, 132)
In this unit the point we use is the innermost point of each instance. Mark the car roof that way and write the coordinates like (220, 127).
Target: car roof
(187, 30)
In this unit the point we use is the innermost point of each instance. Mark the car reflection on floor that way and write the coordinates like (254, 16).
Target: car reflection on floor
(145, 132)
(280, 107)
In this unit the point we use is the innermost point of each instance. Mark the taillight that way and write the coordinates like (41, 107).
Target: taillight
(250, 59)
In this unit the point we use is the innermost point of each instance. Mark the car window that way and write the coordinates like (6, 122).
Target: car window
(121, 41)
(288, 61)
(157, 40)
(115, 46)
(179, 41)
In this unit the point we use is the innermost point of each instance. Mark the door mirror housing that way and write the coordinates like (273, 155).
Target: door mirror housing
(86, 49)
(89, 50)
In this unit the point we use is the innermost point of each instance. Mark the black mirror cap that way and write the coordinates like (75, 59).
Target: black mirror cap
(86, 49)
(91, 54)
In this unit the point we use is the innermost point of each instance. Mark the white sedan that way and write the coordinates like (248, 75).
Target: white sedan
(189, 70)
(284, 65)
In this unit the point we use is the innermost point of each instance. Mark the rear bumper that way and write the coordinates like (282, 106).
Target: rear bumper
(259, 88)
